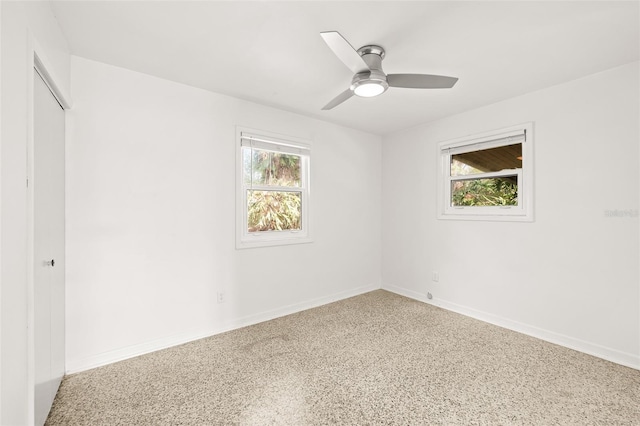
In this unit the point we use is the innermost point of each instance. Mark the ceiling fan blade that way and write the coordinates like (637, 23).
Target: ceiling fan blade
(421, 81)
(344, 51)
(338, 99)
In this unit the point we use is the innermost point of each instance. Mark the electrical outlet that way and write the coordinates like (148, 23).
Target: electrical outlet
(221, 297)
(435, 276)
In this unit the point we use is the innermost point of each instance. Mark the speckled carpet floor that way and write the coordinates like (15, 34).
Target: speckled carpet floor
(374, 359)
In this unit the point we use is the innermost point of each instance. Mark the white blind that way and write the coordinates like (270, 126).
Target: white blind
(488, 143)
(272, 144)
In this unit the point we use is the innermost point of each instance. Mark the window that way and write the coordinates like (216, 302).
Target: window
(488, 176)
(273, 190)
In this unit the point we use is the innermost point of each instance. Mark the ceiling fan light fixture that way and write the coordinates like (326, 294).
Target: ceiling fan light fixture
(369, 88)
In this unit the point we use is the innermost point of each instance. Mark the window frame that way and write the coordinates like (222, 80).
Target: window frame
(277, 143)
(523, 212)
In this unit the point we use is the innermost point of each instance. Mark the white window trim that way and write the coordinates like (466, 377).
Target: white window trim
(272, 141)
(523, 212)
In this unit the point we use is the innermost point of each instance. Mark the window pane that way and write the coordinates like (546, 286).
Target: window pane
(270, 168)
(502, 191)
(246, 165)
(273, 211)
(487, 160)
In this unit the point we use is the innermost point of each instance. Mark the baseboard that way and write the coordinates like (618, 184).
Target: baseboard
(407, 293)
(87, 363)
(613, 355)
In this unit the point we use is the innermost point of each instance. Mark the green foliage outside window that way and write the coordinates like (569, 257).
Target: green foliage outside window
(500, 191)
(484, 192)
(273, 211)
(278, 209)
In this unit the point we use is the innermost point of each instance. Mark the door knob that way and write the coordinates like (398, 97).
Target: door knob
(51, 262)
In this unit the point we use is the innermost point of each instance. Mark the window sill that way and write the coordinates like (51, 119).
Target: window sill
(270, 242)
(487, 217)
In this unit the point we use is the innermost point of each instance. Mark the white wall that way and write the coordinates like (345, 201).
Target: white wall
(571, 276)
(151, 213)
(23, 23)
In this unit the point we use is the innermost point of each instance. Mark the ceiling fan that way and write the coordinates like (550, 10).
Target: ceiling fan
(369, 80)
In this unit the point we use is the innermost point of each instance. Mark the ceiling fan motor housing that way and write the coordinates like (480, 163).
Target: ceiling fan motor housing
(372, 56)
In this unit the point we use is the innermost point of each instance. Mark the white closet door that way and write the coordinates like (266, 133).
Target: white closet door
(48, 218)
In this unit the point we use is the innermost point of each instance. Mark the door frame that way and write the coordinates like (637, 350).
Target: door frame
(38, 63)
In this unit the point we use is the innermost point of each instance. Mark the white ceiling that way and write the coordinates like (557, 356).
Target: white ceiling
(271, 52)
